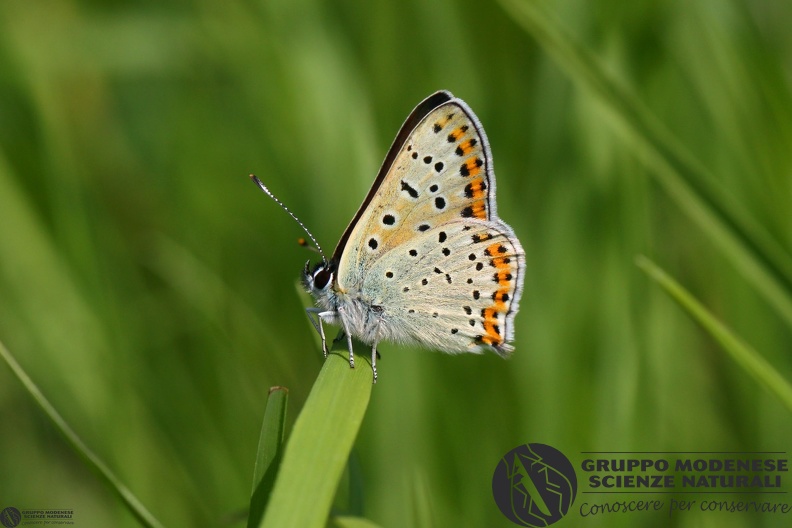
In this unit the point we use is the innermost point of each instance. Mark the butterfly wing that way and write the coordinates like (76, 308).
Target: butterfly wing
(458, 295)
(427, 244)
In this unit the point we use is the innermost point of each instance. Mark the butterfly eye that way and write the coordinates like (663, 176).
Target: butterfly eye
(322, 277)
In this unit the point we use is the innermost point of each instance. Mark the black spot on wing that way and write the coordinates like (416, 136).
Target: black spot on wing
(410, 190)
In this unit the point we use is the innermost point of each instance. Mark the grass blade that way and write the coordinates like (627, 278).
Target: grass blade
(351, 522)
(759, 257)
(270, 451)
(423, 517)
(744, 355)
(320, 444)
(127, 497)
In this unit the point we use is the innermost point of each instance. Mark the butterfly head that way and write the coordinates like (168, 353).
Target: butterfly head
(319, 279)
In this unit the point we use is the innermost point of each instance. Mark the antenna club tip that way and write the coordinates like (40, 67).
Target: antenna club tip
(258, 182)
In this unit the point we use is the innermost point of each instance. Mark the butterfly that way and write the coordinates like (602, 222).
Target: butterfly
(425, 261)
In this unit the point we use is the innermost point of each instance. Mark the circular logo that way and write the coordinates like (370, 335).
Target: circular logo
(10, 517)
(534, 485)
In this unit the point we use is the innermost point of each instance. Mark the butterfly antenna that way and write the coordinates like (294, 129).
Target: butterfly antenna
(310, 235)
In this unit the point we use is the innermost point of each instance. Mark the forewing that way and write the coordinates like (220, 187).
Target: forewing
(427, 248)
(439, 172)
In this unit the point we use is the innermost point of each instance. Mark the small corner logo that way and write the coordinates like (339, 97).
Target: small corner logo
(10, 517)
(534, 485)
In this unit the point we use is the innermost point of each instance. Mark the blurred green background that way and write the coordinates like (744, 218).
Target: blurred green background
(148, 286)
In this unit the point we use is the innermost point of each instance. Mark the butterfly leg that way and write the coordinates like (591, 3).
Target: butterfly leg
(349, 340)
(374, 355)
(351, 350)
(317, 324)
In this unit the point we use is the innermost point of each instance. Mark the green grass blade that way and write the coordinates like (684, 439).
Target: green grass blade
(355, 499)
(749, 246)
(744, 355)
(351, 522)
(320, 444)
(127, 497)
(270, 451)
(423, 516)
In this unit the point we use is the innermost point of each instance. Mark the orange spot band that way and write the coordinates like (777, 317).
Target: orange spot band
(479, 210)
(473, 166)
(475, 189)
(503, 277)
